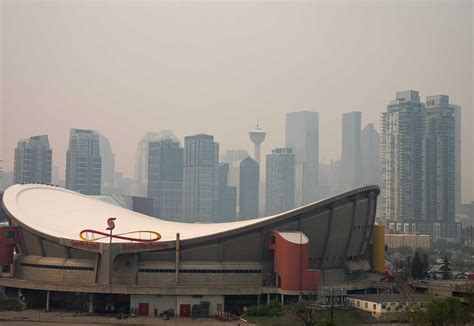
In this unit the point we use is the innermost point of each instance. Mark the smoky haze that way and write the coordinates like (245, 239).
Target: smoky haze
(128, 68)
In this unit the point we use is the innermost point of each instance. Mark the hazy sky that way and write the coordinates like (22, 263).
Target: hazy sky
(127, 68)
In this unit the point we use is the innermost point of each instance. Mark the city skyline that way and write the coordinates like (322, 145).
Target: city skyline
(342, 68)
(199, 162)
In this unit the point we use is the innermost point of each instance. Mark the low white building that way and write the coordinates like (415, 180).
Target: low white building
(384, 305)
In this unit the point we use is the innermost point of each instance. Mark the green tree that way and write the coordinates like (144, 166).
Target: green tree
(425, 266)
(450, 311)
(405, 251)
(416, 267)
(446, 269)
(446, 312)
(305, 312)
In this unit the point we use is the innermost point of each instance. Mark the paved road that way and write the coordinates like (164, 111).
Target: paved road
(40, 318)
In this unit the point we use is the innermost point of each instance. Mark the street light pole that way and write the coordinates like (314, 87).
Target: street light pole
(111, 226)
(110, 257)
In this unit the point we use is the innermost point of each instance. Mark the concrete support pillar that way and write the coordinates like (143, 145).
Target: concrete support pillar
(282, 299)
(47, 301)
(177, 259)
(258, 300)
(268, 299)
(90, 304)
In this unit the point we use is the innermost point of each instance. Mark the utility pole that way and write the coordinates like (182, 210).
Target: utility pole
(332, 306)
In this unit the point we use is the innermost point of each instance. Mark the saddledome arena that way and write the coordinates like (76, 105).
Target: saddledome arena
(223, 266)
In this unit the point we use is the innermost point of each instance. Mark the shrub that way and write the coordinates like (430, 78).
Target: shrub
(270, 310)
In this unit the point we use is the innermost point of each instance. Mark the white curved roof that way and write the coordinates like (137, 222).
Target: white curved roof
(64, 214)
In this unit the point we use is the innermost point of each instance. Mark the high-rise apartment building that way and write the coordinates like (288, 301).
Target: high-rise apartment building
(227, 202)
(370, 155)
(33, 160)
(83, 162)
(418, 165)
(280, 181)
(165, 178)
(351, 168)
(108, 164)
(439, 160)
(248, 189)
(401, 158)
(201, 178)
(302, 136)
(141, 159)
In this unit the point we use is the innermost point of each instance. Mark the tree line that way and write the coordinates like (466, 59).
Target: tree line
(419, 268)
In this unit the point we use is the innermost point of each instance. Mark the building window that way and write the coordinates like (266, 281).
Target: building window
(272, 240)
(366, 305)
(375, 306)
(10, 234)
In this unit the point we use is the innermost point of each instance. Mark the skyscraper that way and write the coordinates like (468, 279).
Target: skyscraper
(280, 181)
(33, 160)
(439, 186)
(324, 184)
(55, 175)
(201, 178)
(248, 189)
(370, 155)
(108, 163)
(141, 164)
(401, 158)
(141, 159)
(165, 179)
(83, 162)
(457, 119)
(226, 207)
(302, 136)
(233, 178)
(232, 155)
(350, 156)
(335, 177)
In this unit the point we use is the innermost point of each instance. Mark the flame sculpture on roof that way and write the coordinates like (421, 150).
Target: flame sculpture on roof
(90, 235)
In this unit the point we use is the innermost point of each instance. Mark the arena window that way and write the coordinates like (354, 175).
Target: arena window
(208, 271)
(69, 268)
